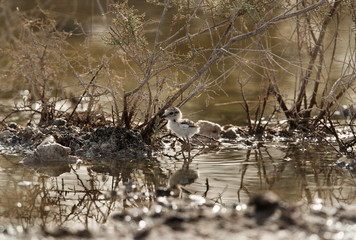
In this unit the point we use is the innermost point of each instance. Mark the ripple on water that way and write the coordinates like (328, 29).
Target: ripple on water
(229, 176)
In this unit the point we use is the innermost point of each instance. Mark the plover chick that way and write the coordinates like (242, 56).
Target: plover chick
(209, 129)
(184, 128)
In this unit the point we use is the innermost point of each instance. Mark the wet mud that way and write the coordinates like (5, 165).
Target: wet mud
(100, 142)
(265, 217)
(168, 215)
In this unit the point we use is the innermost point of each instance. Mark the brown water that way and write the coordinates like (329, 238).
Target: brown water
(223, 105)
(86, 195)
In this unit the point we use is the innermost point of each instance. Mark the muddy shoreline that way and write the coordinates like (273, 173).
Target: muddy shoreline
(101, 142)
(192, 217)
(265, 217)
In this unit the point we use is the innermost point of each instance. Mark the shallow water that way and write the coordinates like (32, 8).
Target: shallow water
(85, 195)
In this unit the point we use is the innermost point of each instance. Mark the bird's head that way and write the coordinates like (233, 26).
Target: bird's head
(172, 113)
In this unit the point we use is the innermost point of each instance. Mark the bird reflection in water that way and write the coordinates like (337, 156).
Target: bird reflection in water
(182, 178)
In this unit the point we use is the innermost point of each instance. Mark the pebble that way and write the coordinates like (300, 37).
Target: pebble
(59, 122)
(13, 125)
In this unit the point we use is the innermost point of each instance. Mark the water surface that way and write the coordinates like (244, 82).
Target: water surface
(85, 195)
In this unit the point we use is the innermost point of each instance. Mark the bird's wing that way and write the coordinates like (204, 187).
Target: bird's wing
(186, 123)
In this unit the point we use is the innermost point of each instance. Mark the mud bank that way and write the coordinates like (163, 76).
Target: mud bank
(265, 217)
(88, 142)
(165, 216)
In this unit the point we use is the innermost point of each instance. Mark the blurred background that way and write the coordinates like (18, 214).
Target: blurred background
(222, 103)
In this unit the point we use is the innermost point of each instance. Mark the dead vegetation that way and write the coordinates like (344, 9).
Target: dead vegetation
(193, 51)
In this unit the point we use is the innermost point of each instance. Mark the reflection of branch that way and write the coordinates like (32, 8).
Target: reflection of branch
(218, 199)
(90, 193)
(244, 169)
(67, 204)
(207, 187)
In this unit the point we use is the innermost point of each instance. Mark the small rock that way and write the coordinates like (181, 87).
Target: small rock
(4, 135)
(264, 206)
(163, 192)
(13, 125)
(229, 134)
(59, 122)
(50, 151)
(267, 201)
(341, 164)
(48, 140)
(28, 133)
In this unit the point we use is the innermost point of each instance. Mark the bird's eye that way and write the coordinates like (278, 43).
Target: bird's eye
(171, 113)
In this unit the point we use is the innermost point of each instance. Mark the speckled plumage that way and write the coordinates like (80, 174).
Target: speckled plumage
(184, 128)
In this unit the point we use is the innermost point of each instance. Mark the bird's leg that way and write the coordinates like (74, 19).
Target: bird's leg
(184, 158)
(189, 158)
(183, 146)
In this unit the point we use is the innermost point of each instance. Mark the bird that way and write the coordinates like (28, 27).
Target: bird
(184, 128)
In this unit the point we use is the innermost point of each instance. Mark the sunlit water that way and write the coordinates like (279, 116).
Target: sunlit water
(87, 194)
